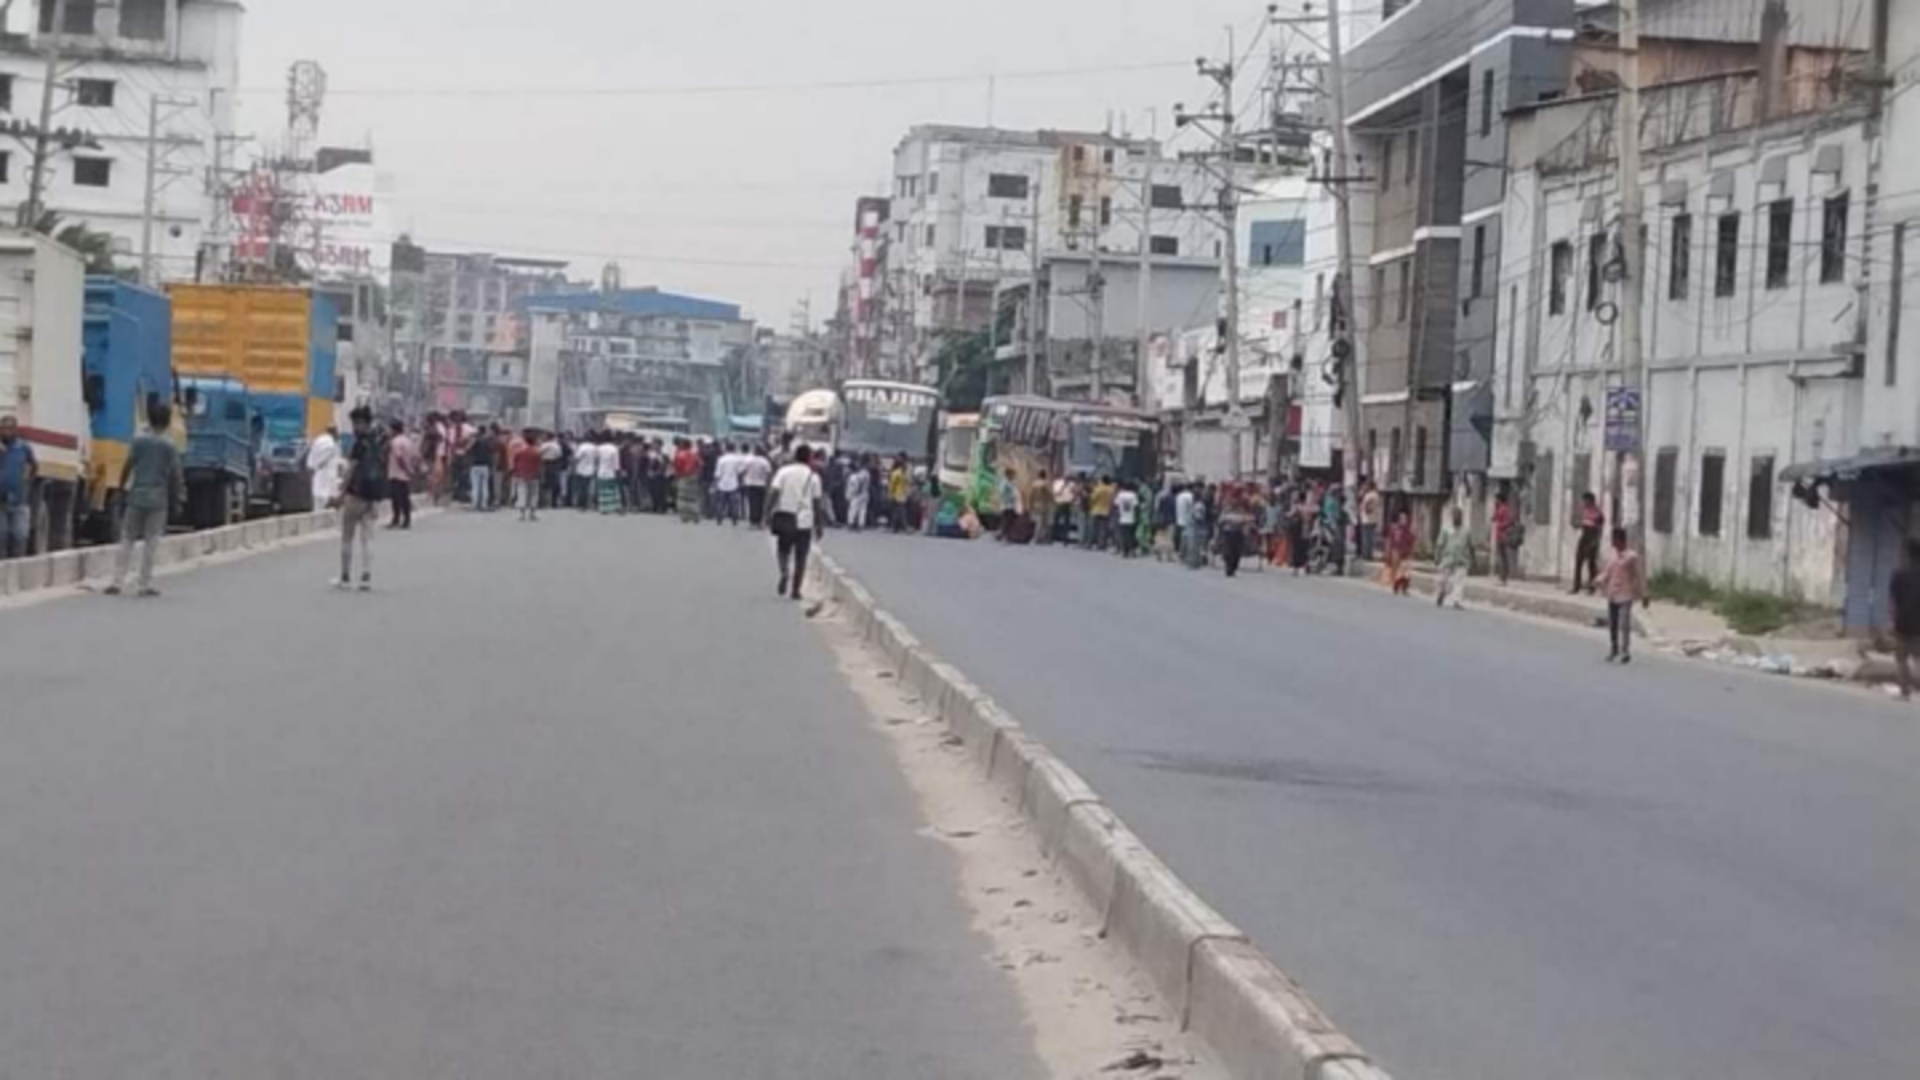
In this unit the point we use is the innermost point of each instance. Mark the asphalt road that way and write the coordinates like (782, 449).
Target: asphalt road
(579, 800)
(1488, 854)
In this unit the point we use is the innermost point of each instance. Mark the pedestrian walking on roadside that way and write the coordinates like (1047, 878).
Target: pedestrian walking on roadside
(323, 468)
(18, 471)
(405, 472)
(1126, 520)
(152, 487)
(1401, 543)
(1456, 561)
(1199, 534)
(1371, 508)
(1183, 517)
(794, 498)
(529, 465)
(1904, 592)
(686, 481)
(480, 457)
(1040, 508)
(1508, 535)
(756, 472)
(1236, 522)
(1100, 515)
(1586, 554)
(859, 493)
(362, 493)
(1623, 583)
(726, 485)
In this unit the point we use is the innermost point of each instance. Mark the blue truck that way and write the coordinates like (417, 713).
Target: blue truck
(224, 432)
(127, 365)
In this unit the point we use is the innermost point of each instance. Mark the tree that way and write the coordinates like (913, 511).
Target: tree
(965, 364)
(94, 246)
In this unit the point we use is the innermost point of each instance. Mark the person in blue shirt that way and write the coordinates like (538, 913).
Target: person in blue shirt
(18, 469)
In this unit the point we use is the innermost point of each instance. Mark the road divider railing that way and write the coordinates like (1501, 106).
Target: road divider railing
(67, 569)
(1256, 1021)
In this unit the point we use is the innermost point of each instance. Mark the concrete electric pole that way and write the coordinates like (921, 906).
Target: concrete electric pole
(1626, 412)
(1226, 140)
(158, 147)
(1347, 339)
(32, 210)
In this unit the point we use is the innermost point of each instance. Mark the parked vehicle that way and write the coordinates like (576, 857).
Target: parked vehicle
(282, 344)
(958, 433)
(128, 365)
(220, 461)
(42, 385)
(1031, 434)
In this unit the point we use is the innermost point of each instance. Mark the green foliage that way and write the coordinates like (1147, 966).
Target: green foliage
(965, 363)
(1680, 587)
(1756, 613)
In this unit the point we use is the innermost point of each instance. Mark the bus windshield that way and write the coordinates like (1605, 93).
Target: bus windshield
(1121, 449)
(888, 421)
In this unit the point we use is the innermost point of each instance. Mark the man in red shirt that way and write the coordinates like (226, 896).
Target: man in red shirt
(1593, 522)
(686, 481)
(527, 467)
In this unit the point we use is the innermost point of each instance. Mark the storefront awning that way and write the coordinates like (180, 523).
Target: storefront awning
(1847, 469)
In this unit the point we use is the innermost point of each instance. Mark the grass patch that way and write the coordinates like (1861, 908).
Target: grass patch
(1756, 613)
(1678, 587)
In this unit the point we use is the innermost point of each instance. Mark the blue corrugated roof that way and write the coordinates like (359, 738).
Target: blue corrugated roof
(637, 302)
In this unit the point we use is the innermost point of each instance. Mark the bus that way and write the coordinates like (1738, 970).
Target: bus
(958, 432)
(1031, 434)
(868, 416)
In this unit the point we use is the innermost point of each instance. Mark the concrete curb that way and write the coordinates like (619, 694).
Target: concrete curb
(1257, 1022)
(1558, 607)
(66, 569)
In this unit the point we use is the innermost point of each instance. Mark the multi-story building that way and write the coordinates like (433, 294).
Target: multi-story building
(458, 329)
(146, 82)
(657, 354)
(972, 207)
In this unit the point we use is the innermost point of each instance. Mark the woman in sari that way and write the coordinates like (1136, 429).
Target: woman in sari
(1400, 545)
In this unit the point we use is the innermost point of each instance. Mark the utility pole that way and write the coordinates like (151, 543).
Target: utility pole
(1033, 285)
(1143, 279)
(1097, 282)
(155, 168)
(1226, 138)
(35, 206)
(1347, 337)
(1633, 260)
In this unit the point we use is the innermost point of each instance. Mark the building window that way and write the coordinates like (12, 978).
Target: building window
(92, 172)
(6, 167)
(1666, 466)
(93, 93)
(1543, 490)
(933, 234)
(1726, 254)
(1897, 282)
(1833, 240)
(1779, 242)
(1596, 269)
(1419, 457)
(1559, 279)
(79, 17)
(1319, 300)
(1405, 302)
(1386, 163)
(1413, 155)
(1006, 186)
(1074, 205)
(1106, 210)
(1006, 238)
(933, 183)
(1486, 103)
(1379, 295)
(1679, 256)
(1476, 277)
(1108, 156)
(143, 20)
(1165, 245)
(1279, 243)
(1713, 483)
(1393, 456)
(1373, 451)
(1760, 499)
(1167, 197)
(6, 93)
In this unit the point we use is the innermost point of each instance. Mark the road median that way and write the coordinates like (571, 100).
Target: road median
(1255, 1020)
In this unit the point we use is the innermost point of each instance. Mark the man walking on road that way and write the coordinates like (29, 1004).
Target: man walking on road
(528, 466)
(796, 492)
(153, 486)
(366, 486)
(586, 466)
(1456, 561)
(1624, 581)
(403, 472)
(17, 471)
(1126, 516)
(1586, 556)
(726, 485)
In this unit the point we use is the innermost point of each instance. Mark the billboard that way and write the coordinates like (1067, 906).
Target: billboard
(337, 224)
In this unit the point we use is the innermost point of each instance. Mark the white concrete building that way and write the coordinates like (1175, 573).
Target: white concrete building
(1753, 328)
(128, 62)
(1306, 345)
(975, 206)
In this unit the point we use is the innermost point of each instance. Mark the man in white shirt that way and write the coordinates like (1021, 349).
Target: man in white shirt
(606, 486)
(324, 465)
(726, 485)
(1182, 517)
(795, 490)
(1126, 516)
(756, 472)
(586, 466)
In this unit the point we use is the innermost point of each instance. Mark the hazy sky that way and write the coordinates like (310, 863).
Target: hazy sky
(744, 196)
